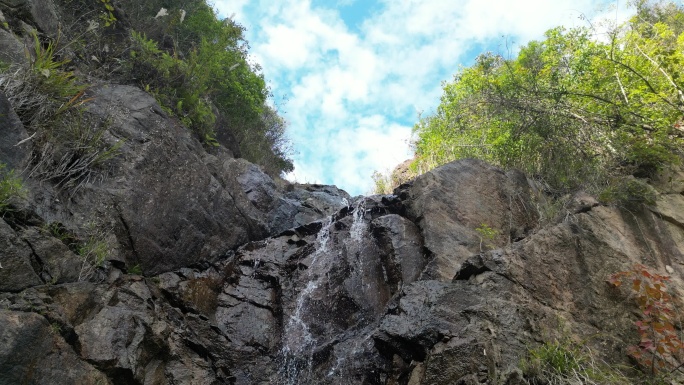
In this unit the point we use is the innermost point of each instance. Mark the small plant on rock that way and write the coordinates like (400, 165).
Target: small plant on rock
(628, 192)
(11, 188)
(567, 362)
(93, 251)
(487, 235)
(107, 16)
(660, 347)
(69, 146)
(135, 270)
(202, 293)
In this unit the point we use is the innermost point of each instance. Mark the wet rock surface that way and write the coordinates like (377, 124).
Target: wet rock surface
(352, 298)
(294, 206)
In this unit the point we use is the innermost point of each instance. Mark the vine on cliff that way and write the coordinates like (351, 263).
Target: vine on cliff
(660, 347)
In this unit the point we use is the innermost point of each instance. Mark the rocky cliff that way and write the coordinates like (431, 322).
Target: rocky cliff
(178, 263)
(397, 289)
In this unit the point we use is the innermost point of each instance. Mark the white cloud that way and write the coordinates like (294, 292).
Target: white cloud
(230, 8)
(354, 94)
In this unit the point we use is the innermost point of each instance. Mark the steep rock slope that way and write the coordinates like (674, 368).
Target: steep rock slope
(356, 298)
(215, 273)
(164, 201)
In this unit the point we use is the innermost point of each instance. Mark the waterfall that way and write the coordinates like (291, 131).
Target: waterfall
(298, 342)
(354, 244)
(358, 225)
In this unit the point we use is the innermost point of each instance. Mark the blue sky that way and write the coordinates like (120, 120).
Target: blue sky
(352, 76)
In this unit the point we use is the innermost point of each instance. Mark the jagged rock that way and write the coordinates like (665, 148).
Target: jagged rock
(401, 243)
(476, 328)
(670, 180)
(354, 298)
(402, 173)
(17, 272)
(581, 202)
(306, 204)
(11, 49)
(33, 352)
(12, 132)
(322, 198)
(451, 202)
(41, 13)
(166, 204)
(58, 263)
(285, 210)
(259, 187)
(671, 208)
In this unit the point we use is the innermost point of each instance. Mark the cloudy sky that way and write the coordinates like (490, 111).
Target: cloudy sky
(351, 76)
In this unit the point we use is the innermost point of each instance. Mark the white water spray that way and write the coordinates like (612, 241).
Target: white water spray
(298, 342)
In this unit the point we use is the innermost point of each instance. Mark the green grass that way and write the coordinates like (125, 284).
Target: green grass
(11, 188)
(68, 145)
(568, 363)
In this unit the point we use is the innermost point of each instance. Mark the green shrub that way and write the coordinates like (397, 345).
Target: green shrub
(382, 182)
(628, 192)
(197, 68)
(179, 85)
(569, 109)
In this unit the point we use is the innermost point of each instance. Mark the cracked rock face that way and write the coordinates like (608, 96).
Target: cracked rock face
(163, 202)
(452, 202)
(298, 205)
(353, 298)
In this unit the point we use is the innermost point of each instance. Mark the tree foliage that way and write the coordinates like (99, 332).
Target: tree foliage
(197, 65)
(572, 109)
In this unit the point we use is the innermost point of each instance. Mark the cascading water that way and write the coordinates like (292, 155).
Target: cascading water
(347, 352)
(298, 343)
(358, 225)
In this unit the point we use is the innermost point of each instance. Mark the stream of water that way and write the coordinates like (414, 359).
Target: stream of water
(298, 342)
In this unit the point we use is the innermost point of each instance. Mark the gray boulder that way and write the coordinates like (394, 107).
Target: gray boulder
(41, 13)
(19, 271)
(289, 207)
(11, 48)
(451, 202)
(58, 264)
(33, 352)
